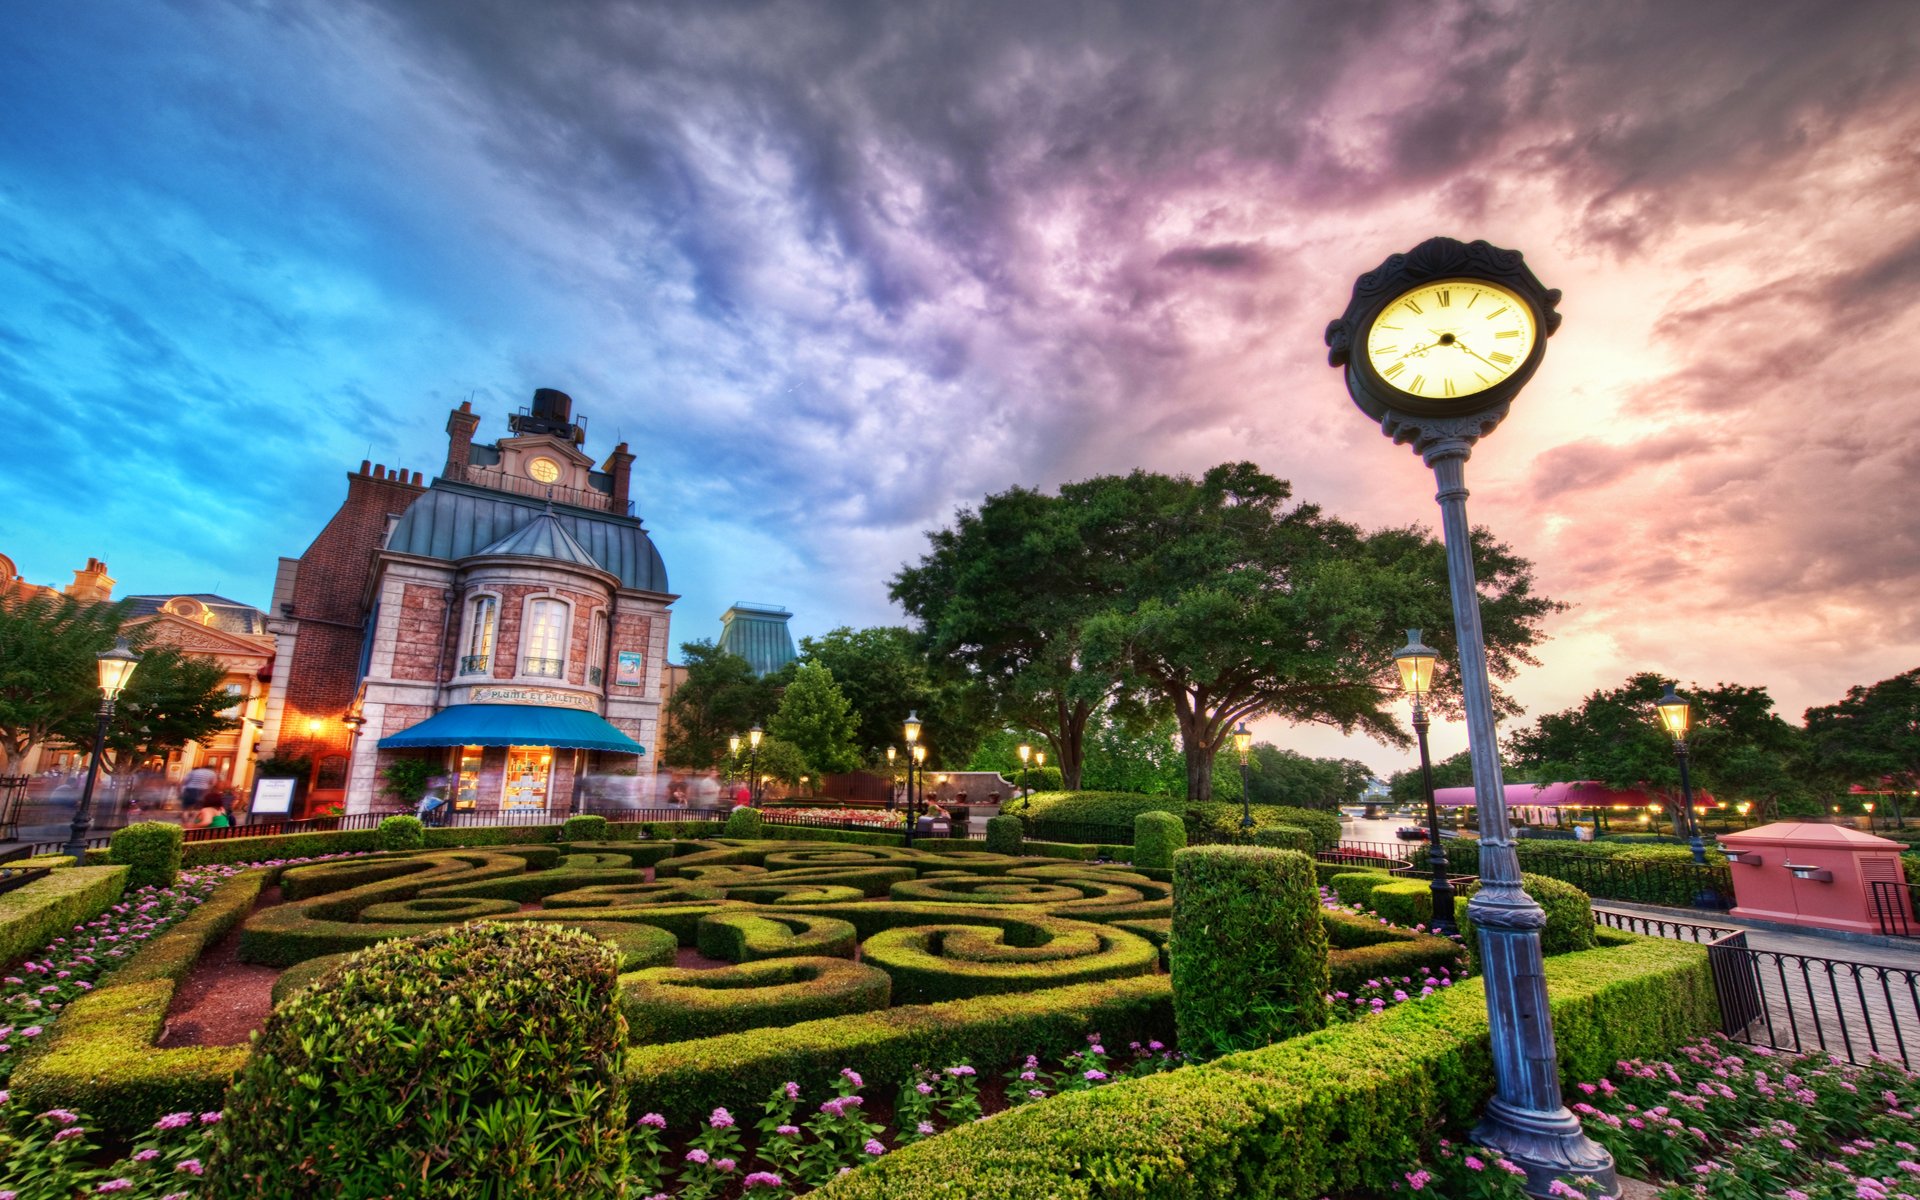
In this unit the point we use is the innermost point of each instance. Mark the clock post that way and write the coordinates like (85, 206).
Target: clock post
(1418, 341)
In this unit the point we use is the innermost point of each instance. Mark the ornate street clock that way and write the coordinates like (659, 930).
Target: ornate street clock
(1449, 330)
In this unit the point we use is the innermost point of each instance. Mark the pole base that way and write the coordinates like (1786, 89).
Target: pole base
(1548, 1147)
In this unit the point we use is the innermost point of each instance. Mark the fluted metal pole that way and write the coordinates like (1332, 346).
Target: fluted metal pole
(1526, 1118)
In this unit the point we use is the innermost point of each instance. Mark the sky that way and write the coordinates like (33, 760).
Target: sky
(836, 269)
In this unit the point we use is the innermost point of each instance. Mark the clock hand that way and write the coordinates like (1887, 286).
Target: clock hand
(1482, 358)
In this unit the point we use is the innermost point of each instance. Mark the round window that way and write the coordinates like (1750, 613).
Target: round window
(544, 469)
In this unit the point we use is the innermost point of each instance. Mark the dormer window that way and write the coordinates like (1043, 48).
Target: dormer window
(482, 611)
(546, 652)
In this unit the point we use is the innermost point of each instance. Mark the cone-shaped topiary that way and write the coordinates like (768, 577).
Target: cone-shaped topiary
(1156, 835)
(402, 832)
(479, 1061)
(1248, 951)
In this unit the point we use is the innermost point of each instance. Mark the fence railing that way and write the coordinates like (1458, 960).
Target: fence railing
(1355, 856)
(1675, 884)
(13, 793)
(1895, 906)
(1796, 1002)
(1660, 927)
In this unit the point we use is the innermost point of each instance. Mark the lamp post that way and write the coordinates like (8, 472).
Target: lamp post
(1743, 808)
(1243, 742)
(115, 667)
(1026, 752)
(733, 756)
(1676, 714)
(1868, 805)
(753, 764)
(890, 797)
(916, 754)
(1415, 660)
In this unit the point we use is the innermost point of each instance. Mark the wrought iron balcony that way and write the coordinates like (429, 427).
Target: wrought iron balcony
(594, 676)
(474, 664)
(548, 668)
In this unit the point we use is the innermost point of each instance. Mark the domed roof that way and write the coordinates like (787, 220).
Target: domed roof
(452, 521)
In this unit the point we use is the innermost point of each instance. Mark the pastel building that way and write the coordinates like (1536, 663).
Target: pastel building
(506, 622)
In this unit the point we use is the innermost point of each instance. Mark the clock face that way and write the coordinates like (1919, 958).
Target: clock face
(544, 469)
(1452, 337)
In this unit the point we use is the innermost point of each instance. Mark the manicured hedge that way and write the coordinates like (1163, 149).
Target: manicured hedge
(152, 849)
(934, 962)
(749, 937)
(583, 828)
(1215, 817)
(100, 1056)
(34, 914)
(1404, 901)
(1365, 949)
(1004, 833)
(1569, 915)
(402, 832)
(1335, 1112)
(1284, 837)
(447, 1065)
(1355, 887)
(745, 823)
(1248, 952)
(669, 1004)
(684, 1080)
(1156, 835)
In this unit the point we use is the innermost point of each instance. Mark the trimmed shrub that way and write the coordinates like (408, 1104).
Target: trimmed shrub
(1355, 888)
(1004, 834)
(100, 1056)
(35, 913)
(1220, 819)
(152, 849)
(745, 823)
(749, 937)
(302, 975)
(1156, 835)
(1284, 837)
(401, 832)
(1569, 915)
(1338, 1112)
(583, 828)
(1365, 949)
(1404, 901)
(1248, 952)
(42, 860)
(934, 962)
(445, 1065)
(438, 910)
(669, 1004)
(684, 1080)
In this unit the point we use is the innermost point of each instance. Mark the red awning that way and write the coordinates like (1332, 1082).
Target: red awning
(1562, 795)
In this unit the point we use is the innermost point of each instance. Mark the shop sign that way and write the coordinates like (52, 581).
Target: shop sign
(630, 668)
(543, 696)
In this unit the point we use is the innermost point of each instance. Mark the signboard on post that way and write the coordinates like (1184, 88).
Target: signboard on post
(272, 797)
(630, 669)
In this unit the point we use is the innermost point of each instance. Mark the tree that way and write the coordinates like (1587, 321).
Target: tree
(171, 698)
(885, 674)
(1872, 738)
(1225, 603)
(719, 698)
(1134, 756)
(48, 679)
(1737, 743)
(1405, 787)
(816, 719)
(1278, 776)
(1001, 598)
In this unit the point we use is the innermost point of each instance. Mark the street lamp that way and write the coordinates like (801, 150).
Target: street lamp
(115, 667)
(1676, 714)
(1868, 805)
(890, 796)
(733, 756)
(1243, 742)
(918, 767)
(753, 764)
(916, 754)
(1415, 660)
(1743, 808)
(1026, 752)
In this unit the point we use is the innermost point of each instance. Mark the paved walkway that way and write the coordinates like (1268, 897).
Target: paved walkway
(1887, 952)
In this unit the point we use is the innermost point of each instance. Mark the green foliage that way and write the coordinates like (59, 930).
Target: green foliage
(684, 1080)
(48, 678)
(1336, 1113)
(1004, 834)
(34, 914)
(1364, 949)
(406, 779)
(815, 717)
(745, 823)
(172, 698)
(1141, 755)
(719, 698)
(1407, 788)
(1569, 912)
(1872, 737)
(1214, 819)
(670, 1004)
(930, 961)
(1248, 951)
(447, 1064)
(151, 849)
(886, 674)
(1156, 835)
(1284, 777)
(749, 937)
(1404, 901)
(1355, 886)
(401, 832)
(583, 828)
(1284, 837)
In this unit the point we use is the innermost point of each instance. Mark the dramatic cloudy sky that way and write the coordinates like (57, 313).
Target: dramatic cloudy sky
(836, 268)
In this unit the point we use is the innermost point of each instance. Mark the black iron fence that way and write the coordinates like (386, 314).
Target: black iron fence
(1660, 927)
(1853, 1010)
(1679, 884)
(1895, 904)
(13, 793)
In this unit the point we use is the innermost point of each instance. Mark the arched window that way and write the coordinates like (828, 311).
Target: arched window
(597, 646)
(482, 613)
(546, 649)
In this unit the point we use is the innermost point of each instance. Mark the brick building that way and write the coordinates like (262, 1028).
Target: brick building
(507, 623)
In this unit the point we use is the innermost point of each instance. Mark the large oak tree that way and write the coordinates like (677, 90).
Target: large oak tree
(1872, 737)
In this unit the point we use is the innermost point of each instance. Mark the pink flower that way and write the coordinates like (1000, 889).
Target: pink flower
(873, 1147)
(191, 1166)
(721, 1119)
(924, 1129)
(1566, 1192)
(788, 1130)
(724, 1165)
(70, 1132)
(761, 1179)
(852, 1076)
(654, 1121)
(696, 1155)
(115, 1185)
(1418, 1180)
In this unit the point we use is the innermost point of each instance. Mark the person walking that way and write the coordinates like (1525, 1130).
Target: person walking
(194, 789)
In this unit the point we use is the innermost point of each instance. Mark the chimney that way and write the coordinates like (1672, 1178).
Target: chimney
(461, 426)
(619, 465)
(91, 583)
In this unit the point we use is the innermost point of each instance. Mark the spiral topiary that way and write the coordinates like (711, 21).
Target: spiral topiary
(444, 1065)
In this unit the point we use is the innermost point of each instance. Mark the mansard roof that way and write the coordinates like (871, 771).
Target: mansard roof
(452, 521)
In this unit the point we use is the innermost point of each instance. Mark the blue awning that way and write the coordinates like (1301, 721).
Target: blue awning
(514, 725)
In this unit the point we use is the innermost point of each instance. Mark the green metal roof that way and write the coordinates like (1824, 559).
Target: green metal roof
(514, 725)
(452, 521)
(758, 633)
(542, 537)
